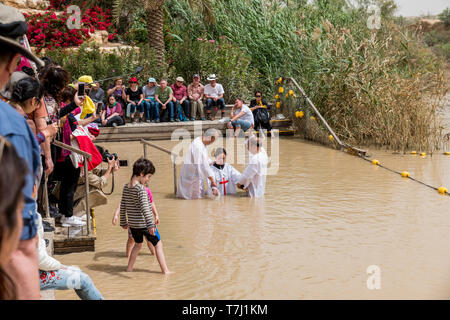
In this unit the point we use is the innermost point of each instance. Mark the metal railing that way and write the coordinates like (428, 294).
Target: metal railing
(146, 143)
(86, 156)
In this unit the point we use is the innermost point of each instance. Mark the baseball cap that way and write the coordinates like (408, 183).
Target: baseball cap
(151, 80)
(133, 80)
(86, 79)
(196, 76)
(13, 27)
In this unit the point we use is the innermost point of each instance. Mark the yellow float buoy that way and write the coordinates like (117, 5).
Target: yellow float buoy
(287, 95)
(442, 190)
(423, 154)
(375, 162)
(300, 114)
(278, 105)
(312, 118)
(331, 137)
(413, 152)
(291, 92)
(277, 97)
(280, 89)
(405, 174)
(447, 153)
(280, 80)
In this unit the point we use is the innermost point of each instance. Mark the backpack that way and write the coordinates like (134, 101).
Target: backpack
(180, 113)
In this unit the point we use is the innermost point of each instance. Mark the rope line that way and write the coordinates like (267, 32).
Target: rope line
(399, 173)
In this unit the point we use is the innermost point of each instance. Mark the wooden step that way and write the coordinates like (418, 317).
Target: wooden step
(65, 243)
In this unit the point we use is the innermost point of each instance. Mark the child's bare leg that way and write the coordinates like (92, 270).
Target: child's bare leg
(151, 248)
(161, 258)
(137, 247)
(130, 243)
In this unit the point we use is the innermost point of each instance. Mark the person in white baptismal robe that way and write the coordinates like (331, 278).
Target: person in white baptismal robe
(225, 175)
(196, 168)
(253, 179)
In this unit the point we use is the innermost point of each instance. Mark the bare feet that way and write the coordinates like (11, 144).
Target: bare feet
(167, 272)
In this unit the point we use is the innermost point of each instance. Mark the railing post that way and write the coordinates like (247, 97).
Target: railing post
(174, 158)
(145, 151)
(45, 196)
(86, 184)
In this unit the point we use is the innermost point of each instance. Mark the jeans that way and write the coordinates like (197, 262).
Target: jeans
(163, 113)
(133, 107)
(243, 124)
(211, 103)
(70, 278)
(186, 108)
(117, 120)
(150, 107)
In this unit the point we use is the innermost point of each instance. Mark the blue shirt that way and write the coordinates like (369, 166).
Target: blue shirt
(14, 127)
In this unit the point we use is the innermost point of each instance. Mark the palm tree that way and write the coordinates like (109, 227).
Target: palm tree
(154, 10)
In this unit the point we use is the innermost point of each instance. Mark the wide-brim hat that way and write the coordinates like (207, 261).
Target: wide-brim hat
(180, 79)
(212, 77)
(86, 79)
(13, 27)
(8, 89)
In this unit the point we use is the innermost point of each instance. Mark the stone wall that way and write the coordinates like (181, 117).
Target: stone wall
(27, 4)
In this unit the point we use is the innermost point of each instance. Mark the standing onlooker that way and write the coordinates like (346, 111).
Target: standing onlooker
(195, 94)
(98, 96)
(151, 108)
(214, 96)
(180, 98)
(164, 96)
(135, 98)
(23, 266)
(260, 109)
(118, 91)
(12, 182)
(241, 117)
(112, 114)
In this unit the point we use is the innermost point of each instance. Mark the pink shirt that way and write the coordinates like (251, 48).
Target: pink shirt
(179, 92)
(149, 194)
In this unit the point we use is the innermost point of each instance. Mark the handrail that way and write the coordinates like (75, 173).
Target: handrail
(343, 145)
(70, 148)
(146, 143)
(86, 156)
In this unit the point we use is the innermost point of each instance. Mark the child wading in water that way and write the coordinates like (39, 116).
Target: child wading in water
(136, 214)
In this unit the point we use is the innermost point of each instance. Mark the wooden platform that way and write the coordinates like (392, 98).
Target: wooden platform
(68, 240)
(166, 130)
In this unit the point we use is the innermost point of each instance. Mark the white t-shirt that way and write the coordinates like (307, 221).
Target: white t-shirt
(248, 116)
(214, 92)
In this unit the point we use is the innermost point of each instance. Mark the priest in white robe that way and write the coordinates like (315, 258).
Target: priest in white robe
(253, 179)
(225, 175)
(196, 168)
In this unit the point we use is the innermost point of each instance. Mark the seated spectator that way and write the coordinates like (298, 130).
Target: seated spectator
(180, 100)
(112, 114)
(195, 95)
(54, 275)
(118, 91)
(135, 98)
(12, 181)
(151, 107)
(261, 114)
(214, 97)
(97, 95)
(97, 179)
(164, 96)
(241, 117)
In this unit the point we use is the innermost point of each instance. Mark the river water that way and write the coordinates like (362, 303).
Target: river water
(326, 217)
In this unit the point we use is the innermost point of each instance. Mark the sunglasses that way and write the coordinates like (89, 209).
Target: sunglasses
(258, 96)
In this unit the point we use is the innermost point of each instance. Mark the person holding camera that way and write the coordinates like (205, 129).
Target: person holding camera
(97, 179)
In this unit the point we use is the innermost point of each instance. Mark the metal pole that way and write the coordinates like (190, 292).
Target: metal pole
(316, 111)
(174, 174)
(86, 184)
(45, 196)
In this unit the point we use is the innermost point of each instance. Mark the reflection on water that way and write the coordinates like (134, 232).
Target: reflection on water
(325, 218)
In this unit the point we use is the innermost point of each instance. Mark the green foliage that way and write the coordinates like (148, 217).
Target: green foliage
(445, 17)
(203, 56)
(100, 65)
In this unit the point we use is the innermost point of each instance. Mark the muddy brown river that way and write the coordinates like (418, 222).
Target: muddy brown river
(325, 219)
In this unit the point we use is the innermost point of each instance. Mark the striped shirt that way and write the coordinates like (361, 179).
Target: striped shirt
(135, 208)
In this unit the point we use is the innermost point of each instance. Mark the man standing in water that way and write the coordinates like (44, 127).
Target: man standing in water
(253, 179)
(196, 168)
(23, 265)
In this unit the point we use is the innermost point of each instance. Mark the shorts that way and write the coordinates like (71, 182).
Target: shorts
(138, 236)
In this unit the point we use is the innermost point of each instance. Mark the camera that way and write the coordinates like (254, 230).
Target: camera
(108, 156)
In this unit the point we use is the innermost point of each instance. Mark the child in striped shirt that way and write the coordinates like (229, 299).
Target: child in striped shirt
(136, 213)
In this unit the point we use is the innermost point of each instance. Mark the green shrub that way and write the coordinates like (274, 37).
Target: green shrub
(445, 17)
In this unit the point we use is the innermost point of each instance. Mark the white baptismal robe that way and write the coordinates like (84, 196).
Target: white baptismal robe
(196, 168)
(226, 179)
(254, 176)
